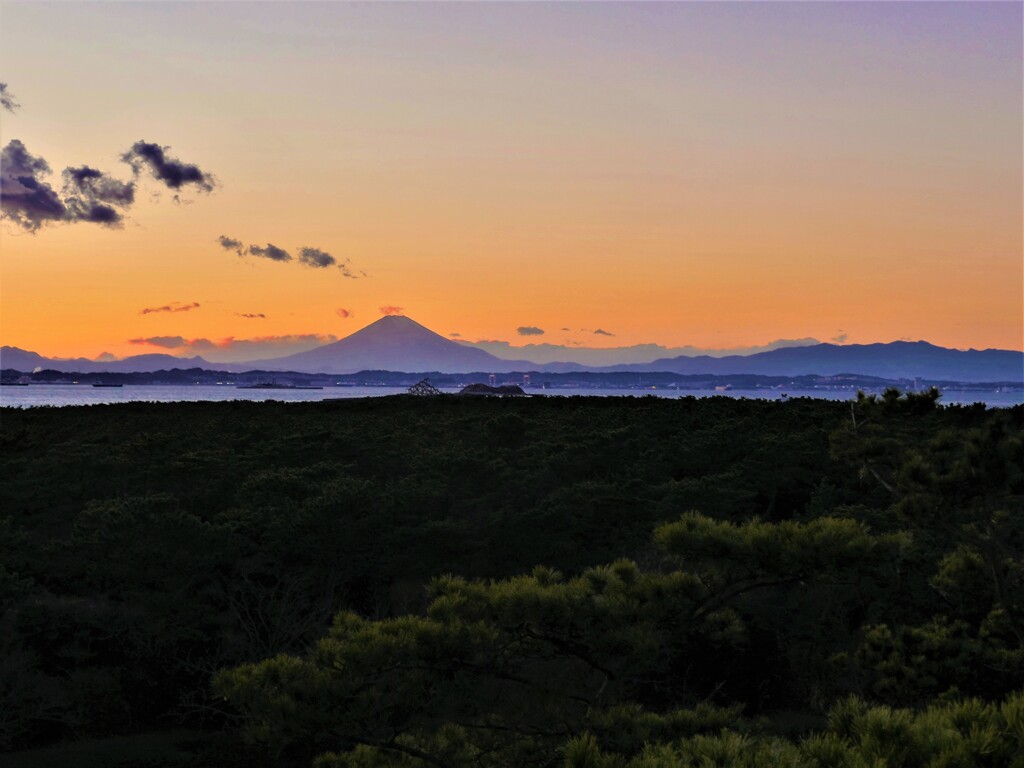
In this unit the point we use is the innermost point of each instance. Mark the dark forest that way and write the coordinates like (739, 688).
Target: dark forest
(456, 582)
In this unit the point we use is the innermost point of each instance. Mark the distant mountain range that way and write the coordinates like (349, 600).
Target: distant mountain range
(23, 360)
(594, 357)
(895, 360)
(397, 343)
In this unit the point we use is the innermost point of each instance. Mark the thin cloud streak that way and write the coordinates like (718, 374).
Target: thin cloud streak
(176, 306)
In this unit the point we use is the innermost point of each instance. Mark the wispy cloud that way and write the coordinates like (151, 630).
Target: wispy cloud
(529, 330)
(840, 337)
(343, 313)
(7, 100)
(252, 315)
(230, 244)
(316, 258)
(390, 310)
(602, 332)
(175, 306)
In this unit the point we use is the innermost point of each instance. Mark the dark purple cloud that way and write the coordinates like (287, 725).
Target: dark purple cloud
(307, 256)
(252, 315)
(28, 199)
(270, 251)
(25, 197)
(601, 332)
(314, 257)
(529, 330)
(91, 195)
(166, 169)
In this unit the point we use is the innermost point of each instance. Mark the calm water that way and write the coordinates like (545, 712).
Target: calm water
(77, 394)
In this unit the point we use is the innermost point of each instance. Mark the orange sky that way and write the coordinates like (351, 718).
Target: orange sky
(709, 174)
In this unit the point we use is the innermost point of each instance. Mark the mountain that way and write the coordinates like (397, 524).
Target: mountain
(895, 360)
(594, 357)
(25, 361)
(393, 343)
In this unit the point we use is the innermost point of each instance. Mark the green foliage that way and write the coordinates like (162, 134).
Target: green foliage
(550, 655)
(963, 734)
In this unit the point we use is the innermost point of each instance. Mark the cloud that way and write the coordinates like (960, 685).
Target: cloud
(230, 244)
(841, 336)
(168, 170)
(175, 306)
(566, 329)
(389, 310)
(309, 257)
(252, 315)
(529, 330)
(347, 271)
(28, 200)
(167, 342)
(88, 194)
(602, 332)
(271, 252)
(343, 313)
(230, 349)
(25, 198)
(455, 335)
(7, 99)
(105, 357)
(314, 257)
(91, 195)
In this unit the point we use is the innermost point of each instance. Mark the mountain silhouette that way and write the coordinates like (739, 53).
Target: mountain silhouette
(894, 360)
(393, 343)
(23, 360)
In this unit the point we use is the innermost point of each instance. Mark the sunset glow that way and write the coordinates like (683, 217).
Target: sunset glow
(716, 175)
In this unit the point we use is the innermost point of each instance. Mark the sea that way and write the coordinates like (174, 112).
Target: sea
(60, 395)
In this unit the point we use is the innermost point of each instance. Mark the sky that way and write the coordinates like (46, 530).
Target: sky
(713, 175)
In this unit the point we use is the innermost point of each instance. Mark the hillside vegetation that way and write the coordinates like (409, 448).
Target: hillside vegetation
(456, 582)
